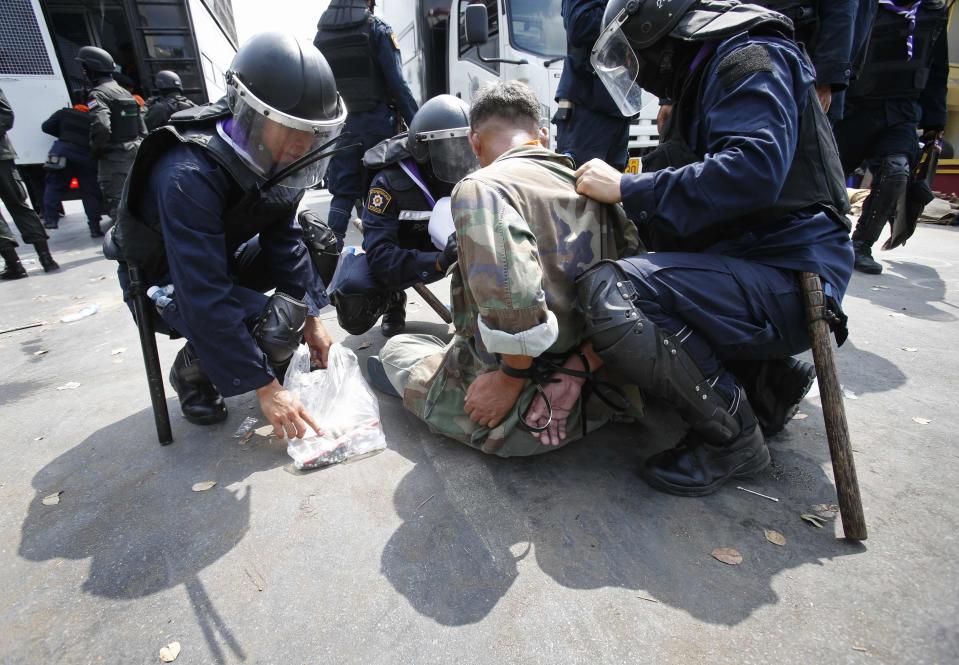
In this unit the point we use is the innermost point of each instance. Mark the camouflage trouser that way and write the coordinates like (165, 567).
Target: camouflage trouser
(114, 165)
(416, 367)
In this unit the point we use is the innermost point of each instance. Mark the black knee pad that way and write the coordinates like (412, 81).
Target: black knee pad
(280, 327)
(607, 297)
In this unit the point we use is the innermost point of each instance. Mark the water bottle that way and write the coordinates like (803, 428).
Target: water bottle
(161, 296)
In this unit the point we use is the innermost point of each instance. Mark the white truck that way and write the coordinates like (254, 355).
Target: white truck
(39, 40)
(526, 42)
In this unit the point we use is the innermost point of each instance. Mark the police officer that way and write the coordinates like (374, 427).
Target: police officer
(588, 123)
(13, 193)
(116, 128)
(365, 57)
(170, 100)
(70, 158)
(746, 190)
(209, 208)
(902, 86)
(412, 172)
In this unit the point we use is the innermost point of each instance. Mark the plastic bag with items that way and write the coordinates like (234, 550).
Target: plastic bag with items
(341, 403)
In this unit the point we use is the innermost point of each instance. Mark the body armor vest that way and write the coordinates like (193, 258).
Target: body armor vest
(815, 176)
(124, 112)
(75, 127)
(248, 211)
(889, 72)
(345, 38)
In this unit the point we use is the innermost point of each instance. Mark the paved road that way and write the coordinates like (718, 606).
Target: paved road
(431, 553)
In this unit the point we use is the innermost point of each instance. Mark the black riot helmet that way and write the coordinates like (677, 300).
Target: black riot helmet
(285, 106)
(439, 135)
(640, 45)
(165, 81)
(95, 60)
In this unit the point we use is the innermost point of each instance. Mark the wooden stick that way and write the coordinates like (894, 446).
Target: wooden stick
(833, 409)
(433, 302)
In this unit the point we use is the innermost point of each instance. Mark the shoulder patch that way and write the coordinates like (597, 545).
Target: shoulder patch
(378, 200)
(92, 104)
(743, 62)
(396, 42)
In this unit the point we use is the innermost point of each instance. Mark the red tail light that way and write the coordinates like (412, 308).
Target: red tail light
(74, 183)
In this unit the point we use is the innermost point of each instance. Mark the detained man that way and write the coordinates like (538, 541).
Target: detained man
(504, 383)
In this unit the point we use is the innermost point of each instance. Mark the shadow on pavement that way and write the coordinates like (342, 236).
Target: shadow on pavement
(917, 284)
(472, 523)
(128, 507)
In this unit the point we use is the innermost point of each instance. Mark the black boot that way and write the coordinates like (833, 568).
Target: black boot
(774, 388)
(200, 401)
(46, 258)
(394, 321)
(95, 231)
(864, 261)
(13, 269)
(725, 440)
(702, 463)
(51, 224)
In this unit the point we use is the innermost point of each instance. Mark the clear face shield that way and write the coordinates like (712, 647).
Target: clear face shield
(269, 140)
(451, 155)
(618, 67)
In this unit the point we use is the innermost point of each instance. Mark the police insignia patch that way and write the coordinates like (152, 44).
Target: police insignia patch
(396, 42)
(377, 200)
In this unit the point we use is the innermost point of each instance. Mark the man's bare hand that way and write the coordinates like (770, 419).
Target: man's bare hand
(562, 392)
(289, 417)
(491, 397)
(824, 92)
(599, 181)
(319, 341)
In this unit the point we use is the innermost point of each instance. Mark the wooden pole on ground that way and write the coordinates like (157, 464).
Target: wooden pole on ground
(833, 409)
(433, 302)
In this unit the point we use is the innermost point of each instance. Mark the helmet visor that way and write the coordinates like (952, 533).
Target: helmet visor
(451, 155)
(618, 67)
(269, 140)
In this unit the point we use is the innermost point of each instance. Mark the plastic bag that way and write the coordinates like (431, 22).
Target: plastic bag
(341, 404)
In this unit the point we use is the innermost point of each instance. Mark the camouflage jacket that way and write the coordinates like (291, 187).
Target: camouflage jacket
(524, 235)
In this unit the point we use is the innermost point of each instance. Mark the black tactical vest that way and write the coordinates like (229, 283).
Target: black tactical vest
(248, 211)
(344, 37)
(889, 72)
(75, 127)
(124, 112)
(815, 176)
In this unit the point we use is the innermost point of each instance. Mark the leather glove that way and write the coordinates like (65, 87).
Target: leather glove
(449, 254)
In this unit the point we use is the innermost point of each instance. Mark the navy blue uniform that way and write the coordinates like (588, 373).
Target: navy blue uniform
(399, 251)
(215, 302)
(595, 128)
(739, 297)
(345, 173)
(80, 165)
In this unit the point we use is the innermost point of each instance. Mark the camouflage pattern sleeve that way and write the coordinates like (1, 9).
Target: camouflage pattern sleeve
(501, 269)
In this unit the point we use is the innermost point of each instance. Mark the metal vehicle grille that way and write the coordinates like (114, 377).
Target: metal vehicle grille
(22, 52)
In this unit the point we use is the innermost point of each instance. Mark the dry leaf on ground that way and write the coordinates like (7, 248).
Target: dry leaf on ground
(800, 416)
(848, 394)
(910, 349)
(41, 352)
(38, 438)
(815, 520)
(921, 421)
(52, 499)
(826, 510)
(204, 486)
(169, 653)
(727, 555)
(775, 537)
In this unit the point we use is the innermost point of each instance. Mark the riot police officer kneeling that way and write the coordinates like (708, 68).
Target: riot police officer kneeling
(412, 171)
(209, 208)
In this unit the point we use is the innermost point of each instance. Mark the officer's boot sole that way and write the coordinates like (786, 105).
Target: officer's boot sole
(746, 469)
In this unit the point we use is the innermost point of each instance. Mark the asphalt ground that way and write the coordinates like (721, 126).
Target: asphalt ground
(433, 553)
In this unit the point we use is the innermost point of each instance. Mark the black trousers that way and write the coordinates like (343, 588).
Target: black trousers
(13, 193)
